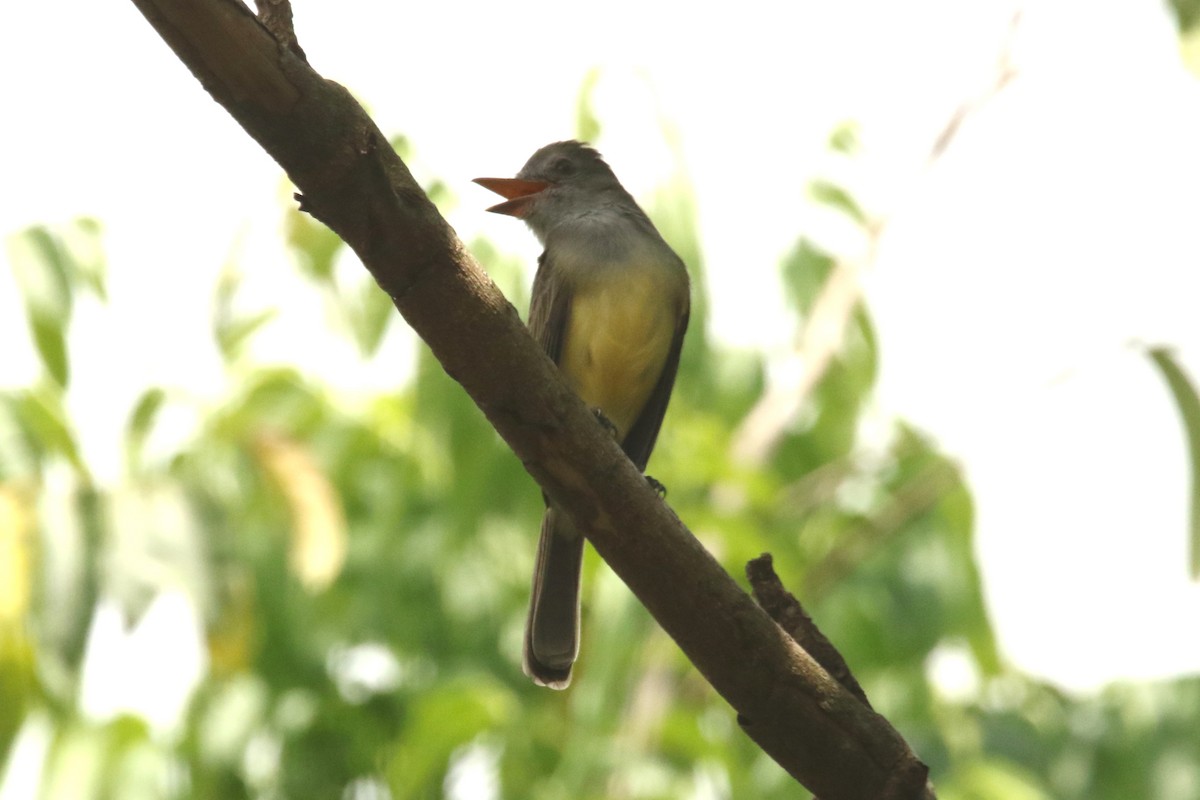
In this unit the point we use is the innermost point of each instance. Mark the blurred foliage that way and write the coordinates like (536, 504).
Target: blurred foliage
(51, 267)
(1187, 14)
(1188, 403)
(339, 580)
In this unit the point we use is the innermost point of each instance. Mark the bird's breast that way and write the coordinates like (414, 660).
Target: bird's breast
(619, 334)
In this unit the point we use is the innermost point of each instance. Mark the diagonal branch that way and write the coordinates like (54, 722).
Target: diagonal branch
(785, 609)
(910, 779)
(353, 182)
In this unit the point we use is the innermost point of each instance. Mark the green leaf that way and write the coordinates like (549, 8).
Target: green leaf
(439, 194)
(141, 421)
(863, 346)
(43, 275)
(232, 335)
(844, 138)
(84, 246)
(805, 271)
(20, 451)
(1187, 13)
(402, 146)
(230, 327)
(314, 246)
(42, 270)
(1188, 403)
(369, 316)
(40, 411)
(49, 337)
(122, 775)
(830, 194)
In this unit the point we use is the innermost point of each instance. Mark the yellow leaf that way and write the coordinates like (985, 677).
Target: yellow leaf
(318, 537)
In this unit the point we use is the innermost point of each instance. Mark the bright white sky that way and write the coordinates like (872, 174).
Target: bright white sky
(1059, 226)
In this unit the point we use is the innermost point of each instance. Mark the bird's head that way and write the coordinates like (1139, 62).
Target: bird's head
(556, 179)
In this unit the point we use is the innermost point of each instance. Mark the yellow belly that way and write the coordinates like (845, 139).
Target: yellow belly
(617, 341)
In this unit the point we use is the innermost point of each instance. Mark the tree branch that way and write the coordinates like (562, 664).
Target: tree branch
(276, 15)
(785, 609)
(910, 779)
(353, 182)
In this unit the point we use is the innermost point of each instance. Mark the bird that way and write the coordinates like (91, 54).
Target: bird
(610, 306)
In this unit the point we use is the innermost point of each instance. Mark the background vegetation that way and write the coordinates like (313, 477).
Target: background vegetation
(358, 564)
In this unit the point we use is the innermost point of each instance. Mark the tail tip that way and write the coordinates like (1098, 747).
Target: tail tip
(545, 675)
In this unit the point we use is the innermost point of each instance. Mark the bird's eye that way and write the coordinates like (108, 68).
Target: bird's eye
(563, 167)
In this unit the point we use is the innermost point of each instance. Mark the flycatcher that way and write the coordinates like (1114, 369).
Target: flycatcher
(610, 306)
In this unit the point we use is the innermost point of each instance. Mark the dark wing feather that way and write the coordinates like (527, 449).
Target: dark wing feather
(549, 308)
(644, 433)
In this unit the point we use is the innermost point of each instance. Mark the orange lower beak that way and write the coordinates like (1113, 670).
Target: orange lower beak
(519, 193)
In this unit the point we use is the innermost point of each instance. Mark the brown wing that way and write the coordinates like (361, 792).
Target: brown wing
(549, 308)
(644, 433)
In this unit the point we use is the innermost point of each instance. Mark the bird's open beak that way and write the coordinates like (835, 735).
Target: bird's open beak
(519, 193)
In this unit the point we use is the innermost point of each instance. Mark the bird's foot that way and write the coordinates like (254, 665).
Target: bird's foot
(658, 488)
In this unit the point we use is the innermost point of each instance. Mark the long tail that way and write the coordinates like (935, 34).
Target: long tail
(552, 629)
